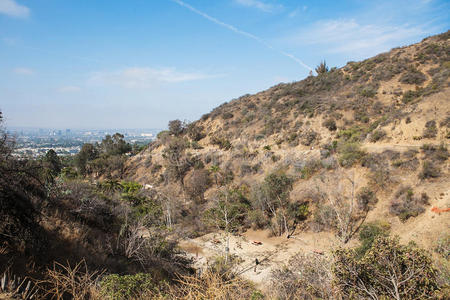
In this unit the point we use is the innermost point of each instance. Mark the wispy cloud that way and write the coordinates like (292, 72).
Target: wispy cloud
(13, 9)
(69, 89)
(263, 6)
(23, 71)
(241, 32)
(349, 36)
(297, 11)
(143, 77)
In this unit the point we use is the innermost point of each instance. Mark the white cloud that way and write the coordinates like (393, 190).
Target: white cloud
(23, 71)
(263, 6)
(348, 36)
(143, 77)
(69, 89)
(13, 9)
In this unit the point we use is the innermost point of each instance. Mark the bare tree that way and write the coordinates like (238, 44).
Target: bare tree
(339, 192)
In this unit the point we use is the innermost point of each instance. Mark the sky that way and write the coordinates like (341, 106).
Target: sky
(141, 63)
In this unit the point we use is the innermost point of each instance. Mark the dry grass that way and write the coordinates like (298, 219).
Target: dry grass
(76, 282)
(211, 285)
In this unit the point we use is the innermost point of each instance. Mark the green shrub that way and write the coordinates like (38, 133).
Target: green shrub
(377, 135)
(116, 286)
(410, 96)
(349, 153)
(368, 233)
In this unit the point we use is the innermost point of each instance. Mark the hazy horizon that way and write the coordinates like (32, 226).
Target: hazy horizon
(139, 64)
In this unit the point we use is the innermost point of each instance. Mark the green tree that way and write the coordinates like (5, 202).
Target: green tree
(176, 127)
(227, 213)
(272, 197)
(87, 153)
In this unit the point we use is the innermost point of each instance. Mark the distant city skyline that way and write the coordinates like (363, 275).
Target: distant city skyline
(138, 64)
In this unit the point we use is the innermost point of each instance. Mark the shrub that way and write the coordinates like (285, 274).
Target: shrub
(307, 276)
(429, 170)
(227, 115)
(368, 233)
(366, 198)
(330, 124)
(116, 286)
(413, 76)
(443, 246)
(406, 205)
(410, 96)
(377, 135)
(349, 153)
(308, 137)
(221, 141)
(430, 130)
(388, 270)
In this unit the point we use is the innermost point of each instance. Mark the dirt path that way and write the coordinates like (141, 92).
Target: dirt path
(273, 252)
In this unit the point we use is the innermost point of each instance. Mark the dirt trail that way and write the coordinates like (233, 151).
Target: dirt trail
(273, 252)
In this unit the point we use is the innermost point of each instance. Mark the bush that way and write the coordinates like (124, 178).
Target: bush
(176, 127)
(411, 95)
(368, 233)
(135, 286)
(430, 130)
(349, 153)
(221, 141)
(413, 76)
(308, 137)
(429, 170)
(330, 124)
(366, 198)
(377, 135)
(388, 270)
(307, 276)
(406, 205)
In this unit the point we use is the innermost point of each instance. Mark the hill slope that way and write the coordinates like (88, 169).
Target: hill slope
(370, 136)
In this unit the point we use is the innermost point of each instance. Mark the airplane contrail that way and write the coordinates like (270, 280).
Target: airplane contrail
(241, 32)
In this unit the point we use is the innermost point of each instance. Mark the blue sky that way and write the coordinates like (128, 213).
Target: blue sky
(141, 63)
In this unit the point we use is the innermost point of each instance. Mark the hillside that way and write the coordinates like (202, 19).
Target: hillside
(363, 143)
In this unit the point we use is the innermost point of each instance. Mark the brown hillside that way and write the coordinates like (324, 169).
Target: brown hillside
(382, 123)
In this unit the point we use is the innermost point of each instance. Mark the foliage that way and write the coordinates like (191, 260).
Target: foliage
(272, 198)
(430, 130)
(386, 270)
(176, 127)
(322, 68)
(330, 124)
(349, 153)
(368, 233)
(221, 141)
(116, 286)
(429, 170)
(366, 198)
(406, 205)
(306, 276)
(197, 183)
(377, 135)
(413, 76)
